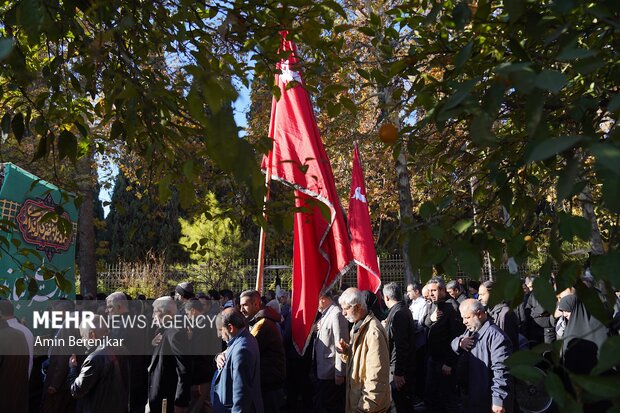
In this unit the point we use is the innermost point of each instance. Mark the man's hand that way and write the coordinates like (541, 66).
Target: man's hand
(446, 370)
(342, 346)
(399, 382)
(339, 380)
(498, 409)
(72, 361)
(156, 340)
(220, 360)
(466, 343)
(51, 390)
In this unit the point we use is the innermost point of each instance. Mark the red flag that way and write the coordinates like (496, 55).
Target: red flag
(362, 243)
(321, 250)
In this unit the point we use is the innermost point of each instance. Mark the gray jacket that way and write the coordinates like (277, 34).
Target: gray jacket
(332, 327)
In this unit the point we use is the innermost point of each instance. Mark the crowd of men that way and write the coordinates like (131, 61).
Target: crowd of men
(436, 348)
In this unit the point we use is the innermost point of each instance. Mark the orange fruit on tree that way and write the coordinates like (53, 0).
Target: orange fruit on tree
(388, 133)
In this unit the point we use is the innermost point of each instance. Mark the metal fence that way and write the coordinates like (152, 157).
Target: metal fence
(239, 275)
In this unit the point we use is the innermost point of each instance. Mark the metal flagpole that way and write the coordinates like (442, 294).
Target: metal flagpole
(263, 235)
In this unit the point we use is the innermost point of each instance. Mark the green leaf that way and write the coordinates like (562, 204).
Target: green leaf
(463, 225)
(545, 293)
(606, 267)
(5, 124)
(524, 358)
(550, 147)
(463, 56)
(614, 104)
(20, 287)
(609, 355)
(6, 47)
(17, 125)
(607, 387)
(573, 53)
(551, 80)
(427, 209)
(572, 225)
(514, 8)
(460, 94)
(528, 374)
(67, 145)
(461, 15)
(607, 156)
(567, 178)
(164, 188)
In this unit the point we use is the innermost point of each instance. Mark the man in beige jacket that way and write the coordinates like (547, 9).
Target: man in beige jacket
(367, 357)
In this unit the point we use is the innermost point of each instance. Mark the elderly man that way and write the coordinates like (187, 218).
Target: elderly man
(330, 369)
(444, 324)
(100, 384)
(401, 336)
(170, 368)
(135, 340)
(236, 386)
(486, 348)
(367, 357)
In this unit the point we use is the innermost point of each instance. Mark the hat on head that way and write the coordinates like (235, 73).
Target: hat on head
(185, 290)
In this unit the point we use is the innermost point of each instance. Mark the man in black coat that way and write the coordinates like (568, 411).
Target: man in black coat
(170, 368)
(100, 384)
(401, 336)
(13, 370)
(444, 323)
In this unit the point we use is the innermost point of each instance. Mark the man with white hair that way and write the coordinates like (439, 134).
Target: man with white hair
(366, 355)
(170, 368)
(99, 385)
(137, 359)
(486, 348)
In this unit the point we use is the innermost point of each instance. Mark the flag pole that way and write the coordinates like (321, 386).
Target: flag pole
(260, 269)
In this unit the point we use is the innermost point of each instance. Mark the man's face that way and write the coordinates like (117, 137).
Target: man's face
(158, 314)
(411, 293)
(248, 307)
(436, 292)
(223, 333)
(351, 312)
(472, 321)
(283, 299)
(454, 292)
(483, 295)
(109, 308)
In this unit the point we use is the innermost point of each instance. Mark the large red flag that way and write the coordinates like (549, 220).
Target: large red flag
(321, 250)
(362, 243)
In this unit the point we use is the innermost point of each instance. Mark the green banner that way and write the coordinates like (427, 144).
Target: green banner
(37, 237)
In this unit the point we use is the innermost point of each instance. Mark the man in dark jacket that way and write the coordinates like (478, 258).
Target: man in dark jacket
(501, 314)
(100, 385)
(135, 341)
(263, 323)
(170, 368)
(444, 324)
(401, 337)
(13, 369)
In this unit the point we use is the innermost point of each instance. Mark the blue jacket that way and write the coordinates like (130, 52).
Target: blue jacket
(236, 387)
(487, 375)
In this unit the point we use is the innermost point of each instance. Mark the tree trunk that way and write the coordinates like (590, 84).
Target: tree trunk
(389, 112)
(587, 208)
(86, 260)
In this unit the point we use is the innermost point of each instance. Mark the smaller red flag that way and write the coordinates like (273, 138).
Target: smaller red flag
(362, 242)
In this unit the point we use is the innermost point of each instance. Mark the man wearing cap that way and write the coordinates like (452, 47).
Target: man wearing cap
(182, 294)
